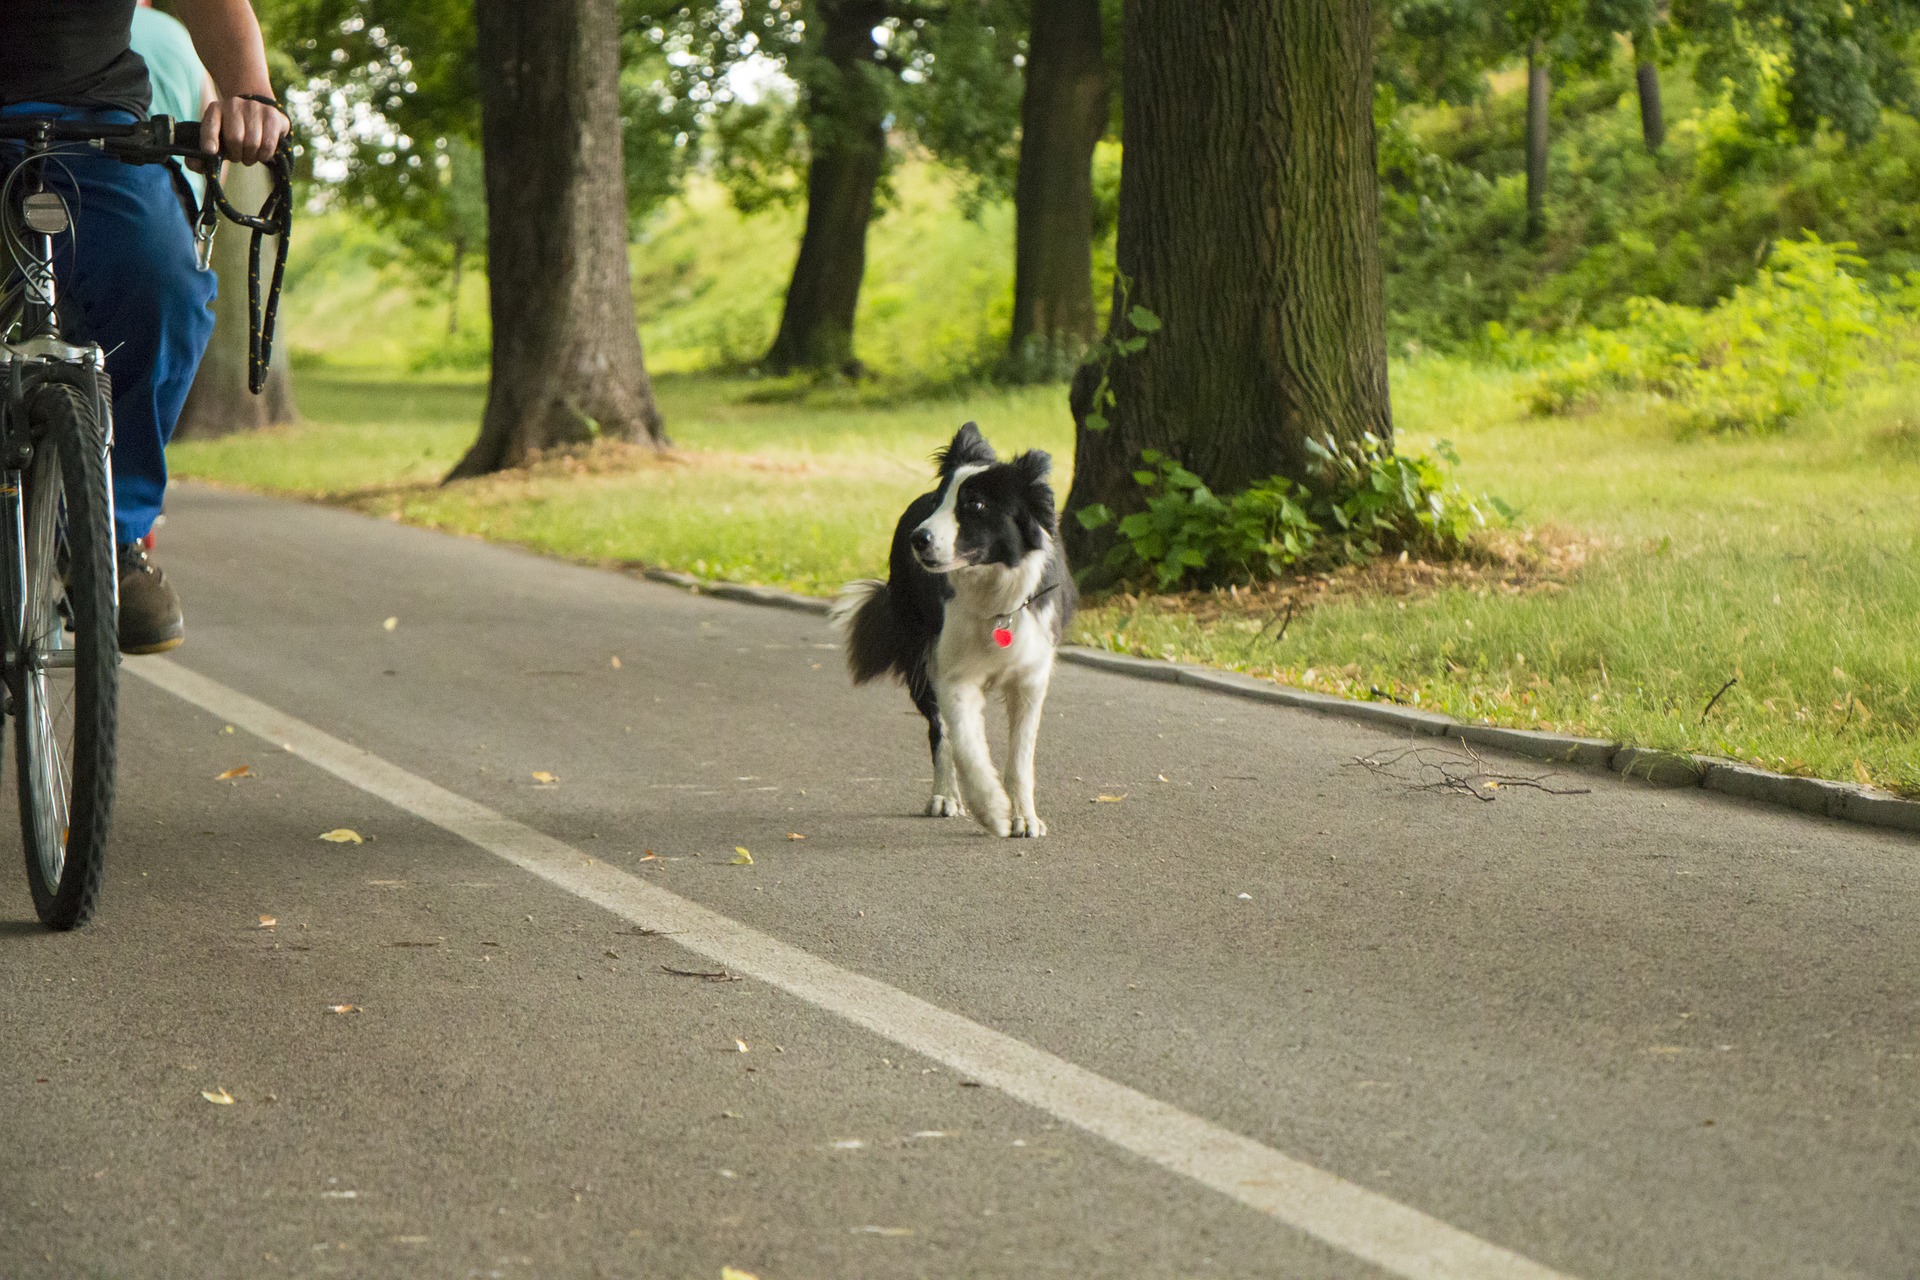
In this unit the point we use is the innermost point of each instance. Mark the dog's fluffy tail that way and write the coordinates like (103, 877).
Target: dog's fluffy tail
(863, 615)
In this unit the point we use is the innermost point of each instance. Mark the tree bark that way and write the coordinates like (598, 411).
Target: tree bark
(567, 366)
(845, 106)
(1063, 112)
(1538, 92)
(1653, 119)
(453, 288)
(1249, 226)
(219, 403)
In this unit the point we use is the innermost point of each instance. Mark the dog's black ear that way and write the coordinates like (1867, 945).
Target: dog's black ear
(1035, 469)
(967, 449)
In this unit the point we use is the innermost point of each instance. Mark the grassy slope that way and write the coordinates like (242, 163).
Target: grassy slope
(1789, 561)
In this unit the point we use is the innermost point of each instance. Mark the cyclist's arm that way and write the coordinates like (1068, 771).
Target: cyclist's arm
(227, 37)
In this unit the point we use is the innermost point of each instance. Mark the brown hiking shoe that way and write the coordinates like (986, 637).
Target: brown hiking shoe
(150, 619)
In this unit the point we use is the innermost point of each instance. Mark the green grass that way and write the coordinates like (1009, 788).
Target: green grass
(797, 494)
(1790, 561)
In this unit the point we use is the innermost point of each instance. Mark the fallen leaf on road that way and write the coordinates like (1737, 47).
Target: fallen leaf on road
(741, 858)
(1110, 799)
(218, 1097)
(267, 922)
(239, 771)
(795, 835)
(883, 1231)
(343, 1008)
(615, 664)
(391, 623)
(544, 778)
(342, 835)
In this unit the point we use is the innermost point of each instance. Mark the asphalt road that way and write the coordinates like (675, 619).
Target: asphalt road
(1621, 1033)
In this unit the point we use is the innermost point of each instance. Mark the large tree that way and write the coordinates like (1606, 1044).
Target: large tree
(1249, 241)
(1063, 113)
(567, 365)
(844, 95)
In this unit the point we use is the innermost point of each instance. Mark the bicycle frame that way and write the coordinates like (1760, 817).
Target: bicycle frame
(32, 352)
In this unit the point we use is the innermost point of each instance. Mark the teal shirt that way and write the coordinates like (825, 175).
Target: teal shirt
(174, 69)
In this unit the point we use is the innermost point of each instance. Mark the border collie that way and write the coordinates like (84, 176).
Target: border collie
(977, 597)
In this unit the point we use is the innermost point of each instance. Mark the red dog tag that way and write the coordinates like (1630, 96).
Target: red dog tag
(1003, 637)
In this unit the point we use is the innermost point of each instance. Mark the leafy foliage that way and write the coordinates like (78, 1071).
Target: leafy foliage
(1754, 362)
(1367, 501)
(1836, 62)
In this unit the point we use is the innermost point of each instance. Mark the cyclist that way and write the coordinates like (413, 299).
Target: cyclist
(129, 276)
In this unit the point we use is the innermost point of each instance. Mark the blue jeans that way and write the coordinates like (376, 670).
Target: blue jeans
(128, 281)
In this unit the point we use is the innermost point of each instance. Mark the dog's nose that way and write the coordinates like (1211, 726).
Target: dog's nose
(922, 538)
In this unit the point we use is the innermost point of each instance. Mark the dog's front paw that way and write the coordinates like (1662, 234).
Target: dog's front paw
(945, 807)
(996, 816)
(1028, 825)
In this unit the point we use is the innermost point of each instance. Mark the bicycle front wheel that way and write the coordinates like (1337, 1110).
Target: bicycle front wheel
(67, 681)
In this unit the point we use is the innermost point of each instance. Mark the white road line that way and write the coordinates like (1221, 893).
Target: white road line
(1368, 1225)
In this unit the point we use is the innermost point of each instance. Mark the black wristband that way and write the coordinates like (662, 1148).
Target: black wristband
(263, 99)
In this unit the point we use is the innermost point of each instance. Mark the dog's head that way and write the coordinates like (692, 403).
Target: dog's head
(991, 512)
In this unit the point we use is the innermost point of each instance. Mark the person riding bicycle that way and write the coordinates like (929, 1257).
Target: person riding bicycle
(129, 268)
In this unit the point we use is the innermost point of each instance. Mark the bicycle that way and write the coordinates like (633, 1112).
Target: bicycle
(59, 582)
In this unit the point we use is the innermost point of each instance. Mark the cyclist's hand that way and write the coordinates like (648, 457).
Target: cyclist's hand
(242, 130)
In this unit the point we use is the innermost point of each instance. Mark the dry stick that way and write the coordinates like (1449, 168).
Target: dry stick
(711, 975)
(1716, 697)
(1458, 773)
(1284, 624)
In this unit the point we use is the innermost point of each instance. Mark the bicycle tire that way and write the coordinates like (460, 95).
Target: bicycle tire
(65, 715)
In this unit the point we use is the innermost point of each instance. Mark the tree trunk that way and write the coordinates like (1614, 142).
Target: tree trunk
(453, 288)
(1537, 94)
(1653, 120)
(1063, 112)
(1249, 226)
(845, 108)
(567, 366)
(219, 403)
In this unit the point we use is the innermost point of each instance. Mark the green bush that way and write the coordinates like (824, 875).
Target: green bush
(1367, 501)
(1752, 362)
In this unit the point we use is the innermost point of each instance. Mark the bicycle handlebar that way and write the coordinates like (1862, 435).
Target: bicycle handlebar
(159, 139)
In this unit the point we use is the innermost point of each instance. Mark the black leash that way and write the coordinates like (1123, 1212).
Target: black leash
(274, 219)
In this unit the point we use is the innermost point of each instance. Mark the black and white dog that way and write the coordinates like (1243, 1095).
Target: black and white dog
(976, 601)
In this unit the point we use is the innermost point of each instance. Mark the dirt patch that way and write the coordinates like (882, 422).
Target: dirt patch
(1507, 562)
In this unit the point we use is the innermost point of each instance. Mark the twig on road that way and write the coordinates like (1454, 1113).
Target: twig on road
(1460, 772)
(711, 975)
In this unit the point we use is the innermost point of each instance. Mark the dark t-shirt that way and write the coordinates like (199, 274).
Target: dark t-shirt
(72, 52)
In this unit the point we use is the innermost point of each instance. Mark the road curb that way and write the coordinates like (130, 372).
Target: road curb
(1842, 801)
